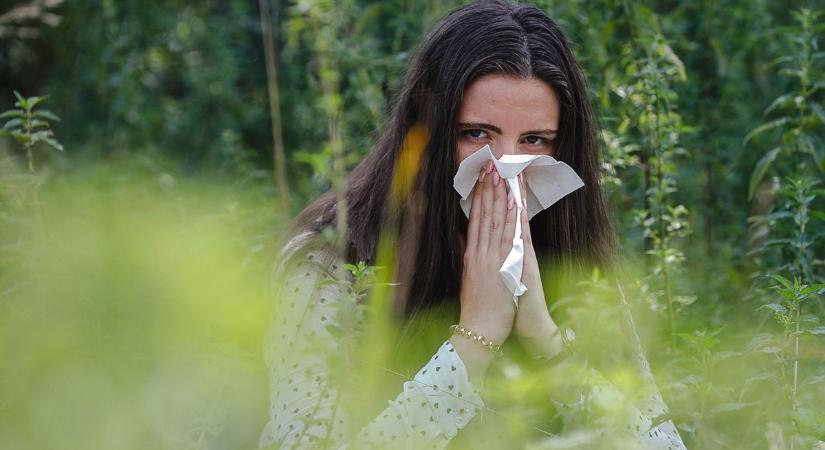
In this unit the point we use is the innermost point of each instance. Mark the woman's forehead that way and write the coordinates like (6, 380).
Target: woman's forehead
(509, 102)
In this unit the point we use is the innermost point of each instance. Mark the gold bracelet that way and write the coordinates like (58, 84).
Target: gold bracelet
(459, 329)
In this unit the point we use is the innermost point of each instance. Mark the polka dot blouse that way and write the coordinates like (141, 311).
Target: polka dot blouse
(304, 412)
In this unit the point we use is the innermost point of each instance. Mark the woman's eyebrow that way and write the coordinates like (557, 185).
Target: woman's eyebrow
(487, 126)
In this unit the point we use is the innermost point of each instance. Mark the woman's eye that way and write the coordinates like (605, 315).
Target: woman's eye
(475, 134)
(533, 140)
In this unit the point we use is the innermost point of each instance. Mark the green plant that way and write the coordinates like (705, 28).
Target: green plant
(796, 298)
(793, 232)
(800, 115)
(652, 68)
(30, 127)
(794, 228)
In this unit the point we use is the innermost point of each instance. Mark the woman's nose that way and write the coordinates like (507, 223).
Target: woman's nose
(505, 149)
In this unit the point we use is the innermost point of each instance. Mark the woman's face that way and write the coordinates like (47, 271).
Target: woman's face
(513, 115)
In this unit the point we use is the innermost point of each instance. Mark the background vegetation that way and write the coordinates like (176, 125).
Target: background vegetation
(141, 207)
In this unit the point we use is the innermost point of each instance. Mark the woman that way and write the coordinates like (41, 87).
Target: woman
(490, 73)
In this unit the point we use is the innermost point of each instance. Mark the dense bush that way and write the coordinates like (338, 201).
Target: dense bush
(712, 119)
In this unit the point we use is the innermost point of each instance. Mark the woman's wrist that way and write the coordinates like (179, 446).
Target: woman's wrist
(495, 332)
(476, 358)
(539, 335)
(544, 347)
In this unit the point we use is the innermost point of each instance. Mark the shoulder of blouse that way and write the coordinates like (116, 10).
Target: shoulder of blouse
(433, 406)
(308, 248)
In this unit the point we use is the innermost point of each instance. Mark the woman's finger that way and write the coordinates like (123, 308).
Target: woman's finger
(475, 215)
(486, 211)
(499, 212)
(525, 222)
(509, 225)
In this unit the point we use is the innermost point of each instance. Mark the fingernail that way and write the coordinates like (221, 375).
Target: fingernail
(496, 179)
(489, 166)
(481, 176)
(511, 202)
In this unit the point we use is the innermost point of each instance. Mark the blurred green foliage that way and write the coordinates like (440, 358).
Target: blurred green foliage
(145, 276)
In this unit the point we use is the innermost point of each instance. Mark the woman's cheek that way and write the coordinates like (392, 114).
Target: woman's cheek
(467, 148)
(464, 150)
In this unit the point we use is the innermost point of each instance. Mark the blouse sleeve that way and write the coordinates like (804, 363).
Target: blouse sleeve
(639, 413)
(637, 419)
(657, 434)
(305, 411)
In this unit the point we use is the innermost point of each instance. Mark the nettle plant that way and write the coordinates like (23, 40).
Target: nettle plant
(805, 420)
(799, 116)
(798, 158)
(796, 236)
(651, 68)
(30, 126)
(797, 305)
(797, 230)
(790, 261)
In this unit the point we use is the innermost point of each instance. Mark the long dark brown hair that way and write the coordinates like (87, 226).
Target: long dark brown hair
(476, 39)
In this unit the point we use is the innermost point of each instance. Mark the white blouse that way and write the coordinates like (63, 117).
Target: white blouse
(429, 411)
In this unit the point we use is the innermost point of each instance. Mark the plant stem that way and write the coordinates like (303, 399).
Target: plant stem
(32, 175)
(269, 33)
(795, 370)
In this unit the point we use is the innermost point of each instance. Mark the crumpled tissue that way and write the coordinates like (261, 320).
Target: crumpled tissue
(547, 181)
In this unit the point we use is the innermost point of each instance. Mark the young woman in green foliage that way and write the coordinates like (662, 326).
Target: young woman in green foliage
(490, 73)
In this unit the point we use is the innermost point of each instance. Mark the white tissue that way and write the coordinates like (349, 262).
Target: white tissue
(547, 181)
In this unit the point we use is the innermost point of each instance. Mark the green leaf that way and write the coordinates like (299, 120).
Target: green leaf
(688, 337)
(814, 379)
(818, 214)
(722, 356)
(808, 318)
(733, 406)
(760, 341)
(770, 217)
(40, 136)
(39, 124)
(685, 299)
(53, 143)
(779, 101)
(765, 127)
(44, 114)
(22, 138)
(761, 168)
(34, 101)
(763, 376)
(13, 123)
(790, 296)
(776, 307)
(782, 280)
(12, 113)
(820, 113)
(20, 99)
(813, 288)
(335, 331)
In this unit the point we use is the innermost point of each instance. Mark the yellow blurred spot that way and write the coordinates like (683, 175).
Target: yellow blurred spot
(406, 168)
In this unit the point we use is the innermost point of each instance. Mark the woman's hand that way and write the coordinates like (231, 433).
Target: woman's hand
(534, 327)
(487, 305)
